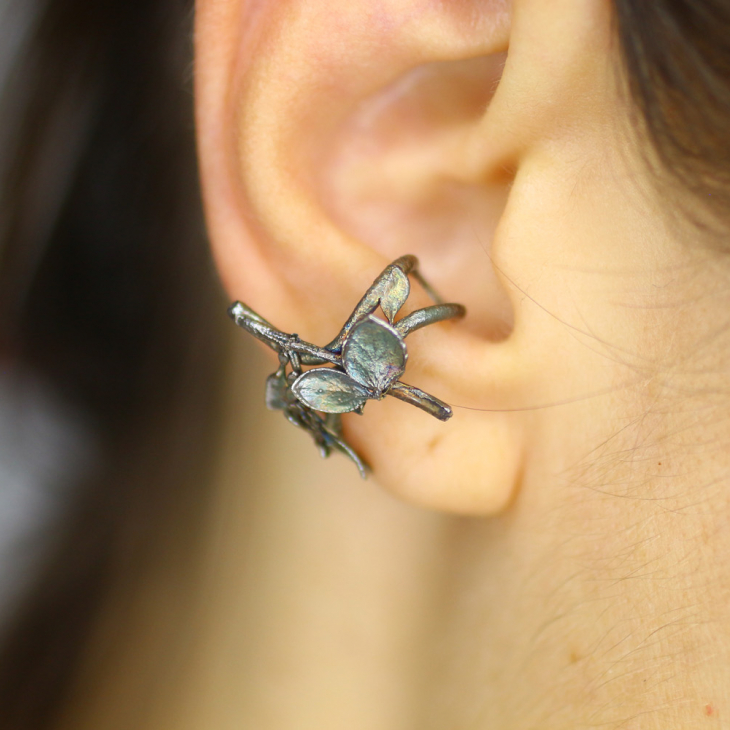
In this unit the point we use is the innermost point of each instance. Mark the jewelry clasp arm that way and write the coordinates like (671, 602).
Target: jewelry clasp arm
(419, 398)
(428, 315)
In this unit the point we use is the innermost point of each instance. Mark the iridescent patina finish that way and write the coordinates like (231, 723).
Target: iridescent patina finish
(368, 357)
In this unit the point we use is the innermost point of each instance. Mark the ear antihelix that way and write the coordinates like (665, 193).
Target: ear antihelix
(368, 357)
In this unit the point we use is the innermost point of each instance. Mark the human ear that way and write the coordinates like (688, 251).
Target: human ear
(333, 140)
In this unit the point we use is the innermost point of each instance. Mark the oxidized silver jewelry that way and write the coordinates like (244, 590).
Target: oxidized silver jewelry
(368, 356)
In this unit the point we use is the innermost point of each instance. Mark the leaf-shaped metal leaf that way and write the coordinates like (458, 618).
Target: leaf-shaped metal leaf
(329, 391)
(374, 355)
(395, 291)
(276, 387)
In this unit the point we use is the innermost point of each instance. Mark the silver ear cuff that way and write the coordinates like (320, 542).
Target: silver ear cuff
(367, 358)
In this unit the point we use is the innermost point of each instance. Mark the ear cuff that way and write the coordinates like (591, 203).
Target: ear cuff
(364, 362)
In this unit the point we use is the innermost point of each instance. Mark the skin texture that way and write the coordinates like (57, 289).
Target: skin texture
(556, 555)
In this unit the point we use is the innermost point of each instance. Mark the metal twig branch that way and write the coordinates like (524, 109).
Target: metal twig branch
(368, 357)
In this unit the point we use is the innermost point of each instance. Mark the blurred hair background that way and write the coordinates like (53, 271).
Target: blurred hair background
(109, 322)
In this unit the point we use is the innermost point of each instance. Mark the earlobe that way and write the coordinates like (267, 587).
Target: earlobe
(340, 139)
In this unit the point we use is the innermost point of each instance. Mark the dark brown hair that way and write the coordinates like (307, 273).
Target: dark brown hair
(676, 55)
(107, 293)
